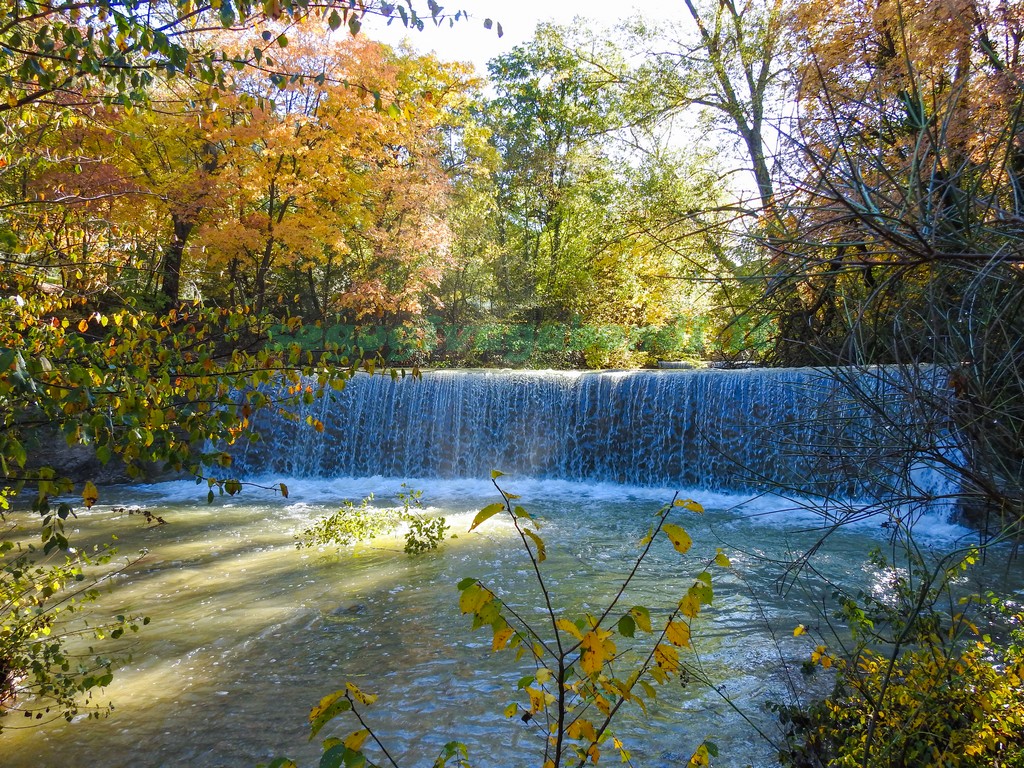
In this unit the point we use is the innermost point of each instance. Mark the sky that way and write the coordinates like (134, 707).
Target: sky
(469, 41)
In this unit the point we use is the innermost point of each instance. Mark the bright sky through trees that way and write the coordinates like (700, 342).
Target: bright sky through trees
(469, 41)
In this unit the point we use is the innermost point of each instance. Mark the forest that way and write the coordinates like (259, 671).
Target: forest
(198, 200)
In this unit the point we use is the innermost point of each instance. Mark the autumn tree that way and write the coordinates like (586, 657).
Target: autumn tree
(334, 196)
(97, 205)
(906, 242)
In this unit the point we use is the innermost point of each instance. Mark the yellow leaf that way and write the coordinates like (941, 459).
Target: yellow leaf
(473, 598)
(583, 730)
(542, 553)
(495, 474)
(543, 675)
(501, 637)
(512, 710)
(486, 514)
(567, 626)
(691, 505)
(596, 650)
(678, 633)
(537, 699)
(89, 494)
(355, 740)
(666, 657)
(722, 559)
(83, 325)
(800, 630)
(330, 706)
(642, 617)
(690, 605)
(680, 539)
(364, 698)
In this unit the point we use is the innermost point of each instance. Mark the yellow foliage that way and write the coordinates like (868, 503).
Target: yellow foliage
(538, 699)
(596, 650)
(680, 539)
(501, 637)
(358, 695)
(932, 706)
(355, 740)
(678, 633)
(690, 605)
(582, 730)
(473, 598)
(567, 626)
(667, 657)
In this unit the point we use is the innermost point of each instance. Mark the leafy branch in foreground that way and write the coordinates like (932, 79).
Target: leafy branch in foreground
(583, 668)
(43, 675)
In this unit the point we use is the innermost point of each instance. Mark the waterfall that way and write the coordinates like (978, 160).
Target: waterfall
(746, 430)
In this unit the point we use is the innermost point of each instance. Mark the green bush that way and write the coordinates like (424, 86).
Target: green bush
(353, 522)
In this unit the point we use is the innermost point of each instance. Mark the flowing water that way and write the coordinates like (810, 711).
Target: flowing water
(248, 632)
(744, 430)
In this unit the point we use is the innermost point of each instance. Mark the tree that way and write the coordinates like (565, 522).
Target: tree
(82, 359)
(908, 215)
(546, 121)
(596, 219)
(735, 70)
(333, 201)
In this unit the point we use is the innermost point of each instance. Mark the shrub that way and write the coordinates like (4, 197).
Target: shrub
(923, 687)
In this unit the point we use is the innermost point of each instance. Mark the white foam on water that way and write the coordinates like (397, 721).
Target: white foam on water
(308, 496)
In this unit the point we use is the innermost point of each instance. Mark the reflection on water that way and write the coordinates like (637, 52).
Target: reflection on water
(248, 633)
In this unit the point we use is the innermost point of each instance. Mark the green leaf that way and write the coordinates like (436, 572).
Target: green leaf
(339, 755)
(486, 513)
(466, 583)
(642, 617)
(627, 627)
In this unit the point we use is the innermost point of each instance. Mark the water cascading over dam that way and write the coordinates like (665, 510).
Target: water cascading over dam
(747, 430)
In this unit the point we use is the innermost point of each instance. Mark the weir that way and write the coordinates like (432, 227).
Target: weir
(750, 430)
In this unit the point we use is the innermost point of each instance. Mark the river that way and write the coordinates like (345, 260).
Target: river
(249, 632)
